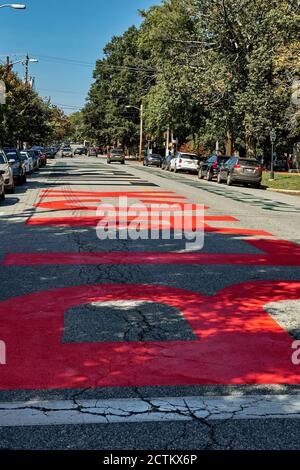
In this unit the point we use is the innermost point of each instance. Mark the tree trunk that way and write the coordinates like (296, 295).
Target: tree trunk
(229, 143)
(250, 147)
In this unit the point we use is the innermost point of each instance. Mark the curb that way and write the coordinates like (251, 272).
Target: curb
(284, 191)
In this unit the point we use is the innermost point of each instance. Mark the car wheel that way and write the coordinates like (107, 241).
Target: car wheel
(123, 163)
(175, 170)
(219, 179)
(109, 162)
(24, 179)
(208, 175)
(2, 196)
(229, 180)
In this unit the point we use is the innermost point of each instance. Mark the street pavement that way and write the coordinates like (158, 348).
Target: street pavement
(143, 344)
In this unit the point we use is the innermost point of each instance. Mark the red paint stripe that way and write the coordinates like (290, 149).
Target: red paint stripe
(139, 194)
(277, 253)
(93, 221)
(68, 205)
(237, 231)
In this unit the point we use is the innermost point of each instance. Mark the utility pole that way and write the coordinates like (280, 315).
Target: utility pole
(141, 133)
(168, 142)
(273, 137)
(26, 64)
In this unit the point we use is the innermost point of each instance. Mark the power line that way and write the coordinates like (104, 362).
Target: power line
(65, 61)
(63, 91)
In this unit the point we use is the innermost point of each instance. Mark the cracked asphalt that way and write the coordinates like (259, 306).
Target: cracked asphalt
(174, 417)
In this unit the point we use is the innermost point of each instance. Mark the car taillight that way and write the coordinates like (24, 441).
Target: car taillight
(259, 168)
(215, 166)
(237, 166)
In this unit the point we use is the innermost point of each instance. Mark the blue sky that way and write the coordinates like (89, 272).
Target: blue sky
(67, 29)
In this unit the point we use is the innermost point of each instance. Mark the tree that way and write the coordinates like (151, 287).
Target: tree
(122, 78)
(208, 69)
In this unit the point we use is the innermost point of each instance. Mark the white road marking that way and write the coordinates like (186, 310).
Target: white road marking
(136, 410)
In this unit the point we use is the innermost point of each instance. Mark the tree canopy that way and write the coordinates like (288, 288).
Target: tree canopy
(26, 117)
(210, 70)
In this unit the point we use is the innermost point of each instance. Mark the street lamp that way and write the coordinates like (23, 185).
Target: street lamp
(16, 6)
(141, 129)
(273, 137)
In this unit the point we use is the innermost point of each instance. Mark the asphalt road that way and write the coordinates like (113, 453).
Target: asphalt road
(141, 344)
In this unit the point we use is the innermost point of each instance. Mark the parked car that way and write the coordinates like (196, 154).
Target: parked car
(27, 159)
(210, 167)
(37, 156)
(66, 152)
(92, 152)
(280, 164)
(79, 151)
(2, 189)
(17, 165)
(152, 160)
(9, 184)
(241, 170)
(50, 152)
(43, 159)
(166, 162)
(35, 159)
(185, 161)
(40, 152)
(116, 155)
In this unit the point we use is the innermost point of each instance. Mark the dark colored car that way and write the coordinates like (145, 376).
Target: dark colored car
(280, 164)
(116, 155)
(17, 164)
(166, 162)
(50, 152)
(80, 151)
(153, 160)
(210, 167)
(241, 170)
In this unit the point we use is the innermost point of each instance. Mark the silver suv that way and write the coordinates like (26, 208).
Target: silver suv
(8, 176)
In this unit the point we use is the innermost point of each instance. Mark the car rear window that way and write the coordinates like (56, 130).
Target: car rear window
(248, 162)
(189, 157)
(2, 160)
(223, 159)
(12, 156)
(117, 152)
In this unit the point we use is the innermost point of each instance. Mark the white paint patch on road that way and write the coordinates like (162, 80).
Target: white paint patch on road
(136, 410)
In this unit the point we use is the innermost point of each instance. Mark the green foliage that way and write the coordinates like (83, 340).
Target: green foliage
(215, 69)
(26, 117)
